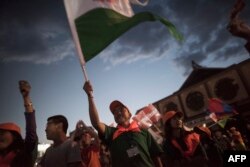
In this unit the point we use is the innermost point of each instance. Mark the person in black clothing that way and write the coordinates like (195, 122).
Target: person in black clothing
(222, 141)
(209, 149)
(14, 150)
(247, 134)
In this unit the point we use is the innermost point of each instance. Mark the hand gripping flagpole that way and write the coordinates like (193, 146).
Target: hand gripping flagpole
(70, 16)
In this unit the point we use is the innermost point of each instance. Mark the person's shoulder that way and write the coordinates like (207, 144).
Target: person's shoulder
(142, 130)
(110, 129)
(69, 143)
(49, 148)
(145, 132)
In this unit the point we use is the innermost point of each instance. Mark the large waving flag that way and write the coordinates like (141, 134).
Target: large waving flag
(97, 23)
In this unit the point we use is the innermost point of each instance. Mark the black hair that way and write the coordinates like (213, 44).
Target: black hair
(60, 119)
(168, 130)
(16, 145)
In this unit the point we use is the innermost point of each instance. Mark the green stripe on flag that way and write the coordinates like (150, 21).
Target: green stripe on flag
(222, 123)
(99, 27)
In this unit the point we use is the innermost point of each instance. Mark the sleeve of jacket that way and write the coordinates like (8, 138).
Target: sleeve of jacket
(31, 138)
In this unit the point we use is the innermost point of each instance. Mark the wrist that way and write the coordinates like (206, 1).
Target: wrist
(26, 99)
(90, 95)
(25, 95)
(27, 104)
(28, 107)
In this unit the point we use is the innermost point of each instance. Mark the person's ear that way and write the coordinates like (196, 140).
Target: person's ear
(59, 126)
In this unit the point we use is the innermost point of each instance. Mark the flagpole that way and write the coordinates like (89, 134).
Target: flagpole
(85, 73)
(216, 123)
(79, 51)
(75, 38)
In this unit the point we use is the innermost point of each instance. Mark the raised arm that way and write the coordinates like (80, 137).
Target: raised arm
(31, 139)
(93, 114)
(238, 7)
(237, 26)
(25, 88)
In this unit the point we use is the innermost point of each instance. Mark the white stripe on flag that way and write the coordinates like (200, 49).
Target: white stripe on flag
(76, 8)
(71, 17)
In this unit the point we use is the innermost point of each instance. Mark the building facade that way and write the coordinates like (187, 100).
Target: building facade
(231, 85)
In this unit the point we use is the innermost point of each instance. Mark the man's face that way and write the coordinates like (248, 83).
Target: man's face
(51, 130)
(121, 114)
(6, 138)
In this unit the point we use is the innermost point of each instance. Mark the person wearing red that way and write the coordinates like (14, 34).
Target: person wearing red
(14, 150)
(181, 144)
(89, 145)
(129, 145)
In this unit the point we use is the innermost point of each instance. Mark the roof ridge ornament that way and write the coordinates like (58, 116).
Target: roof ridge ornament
(196, 65)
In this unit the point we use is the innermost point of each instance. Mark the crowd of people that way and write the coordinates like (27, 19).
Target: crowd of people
(199, 146)
(127, 144)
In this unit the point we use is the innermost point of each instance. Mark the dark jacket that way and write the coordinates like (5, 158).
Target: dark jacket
(27, 153)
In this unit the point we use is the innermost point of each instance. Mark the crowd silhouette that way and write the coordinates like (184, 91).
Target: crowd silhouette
(127, 144)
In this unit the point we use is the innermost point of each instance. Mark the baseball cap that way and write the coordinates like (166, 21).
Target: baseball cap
(10, 127)
(114, 104)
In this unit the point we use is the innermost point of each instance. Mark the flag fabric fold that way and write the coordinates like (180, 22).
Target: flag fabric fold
(147, 116)
(97, 23)
(220, 112)
(218, 107)
(222, 123)
(213, 117)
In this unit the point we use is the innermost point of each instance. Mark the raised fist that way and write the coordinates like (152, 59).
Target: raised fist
(24, 87)
(88, 88)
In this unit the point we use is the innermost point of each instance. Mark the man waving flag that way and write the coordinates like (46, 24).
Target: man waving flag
(97, 23)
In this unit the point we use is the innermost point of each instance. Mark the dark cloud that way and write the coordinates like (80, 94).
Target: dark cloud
(203, 24)
(34, 31)
(209, 23)
(185, 61)
(39, 32)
